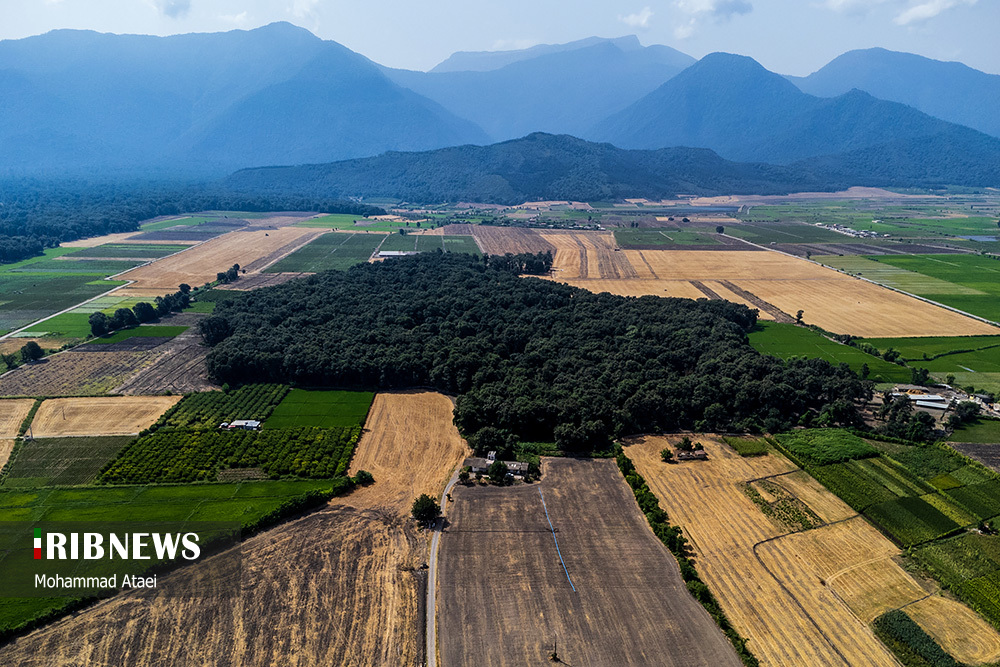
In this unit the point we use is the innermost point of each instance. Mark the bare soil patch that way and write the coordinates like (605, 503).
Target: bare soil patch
(505, 598)
(74, 373)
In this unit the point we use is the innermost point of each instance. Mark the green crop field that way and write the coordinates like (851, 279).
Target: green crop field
(788, 340)
(206, 410)
(337, 252)
(344, 221)
(145, 331)
(822, 446)
(176, 222)
(62, 461)
(246, 503)
(892, 276)
(68, 267)
(628, 238)
(325, 409)
(911, 520)
(144, 250)
(783, 232)
(973, 360)
(976, 273)
(985, 431)
(198, 456)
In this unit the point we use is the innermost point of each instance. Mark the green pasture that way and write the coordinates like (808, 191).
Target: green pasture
(145, 331)
(325, 409)
(334, 251)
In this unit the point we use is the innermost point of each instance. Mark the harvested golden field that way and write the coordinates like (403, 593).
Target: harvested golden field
(789, 620)
(341, 586)
(200, 264)
(410, 446)
(966, 636)
(777, 285)
(6, 447)
(802, 597)
(95, 241)
(12, 413)
(104, 415)
(501, 240)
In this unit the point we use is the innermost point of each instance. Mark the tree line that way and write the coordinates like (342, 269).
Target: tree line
(535, 360)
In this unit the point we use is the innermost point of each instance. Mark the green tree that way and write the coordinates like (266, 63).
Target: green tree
(666, 455)
(144, 311)
(31, 351)
(184, 288)
(463, 477)
(123, 318)
(720, 229)
(949, 380)
(99, 323)
(9, 360)
(920, 376)
(798, 316)
(425, 509)
(363, 477)
(497, 472)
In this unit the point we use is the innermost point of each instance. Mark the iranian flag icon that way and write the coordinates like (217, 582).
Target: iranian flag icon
(38, 543)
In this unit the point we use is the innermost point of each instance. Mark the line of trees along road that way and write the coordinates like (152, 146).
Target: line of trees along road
(539, 360)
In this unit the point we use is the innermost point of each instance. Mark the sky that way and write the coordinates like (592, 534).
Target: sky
(787, 36)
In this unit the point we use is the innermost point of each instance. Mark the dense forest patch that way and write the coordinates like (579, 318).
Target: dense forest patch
(528, 359)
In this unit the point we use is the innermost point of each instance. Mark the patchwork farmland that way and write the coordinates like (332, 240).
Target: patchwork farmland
(800, 597)
(348, 572)
(117, 415)
(619, 601)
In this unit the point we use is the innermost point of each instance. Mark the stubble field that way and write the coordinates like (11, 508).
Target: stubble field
(107, 415)
(801, 597)
(506, 599)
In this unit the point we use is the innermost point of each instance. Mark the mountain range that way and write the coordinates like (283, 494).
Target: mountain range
(207, 104)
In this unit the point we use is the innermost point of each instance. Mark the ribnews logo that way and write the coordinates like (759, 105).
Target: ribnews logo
(74, 559)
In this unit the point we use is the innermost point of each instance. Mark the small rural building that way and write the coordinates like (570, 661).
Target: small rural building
(243, 424)
(481, 465)
(396, 253)
(696, 455)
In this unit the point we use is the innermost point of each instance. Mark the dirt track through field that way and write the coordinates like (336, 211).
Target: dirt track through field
(802, 598)
(341, 586)
(505, 599)
(108, 415)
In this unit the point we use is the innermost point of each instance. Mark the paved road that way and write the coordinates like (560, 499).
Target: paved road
(431, 660)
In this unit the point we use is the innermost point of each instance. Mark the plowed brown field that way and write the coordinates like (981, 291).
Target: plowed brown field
(341, 586)
(802, 598)
(106, 415)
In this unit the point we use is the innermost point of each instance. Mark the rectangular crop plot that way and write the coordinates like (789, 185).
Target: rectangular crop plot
(26, 298)
(130, 250)
(979, 274)
(62, 461)
(787, 340)
(983, 499)
(324, 409)
(101, 415)
(645, 238)
(911, 520)
(783, 232)
(983, 431)
(822, 446)
(505, 598)
(336, 252)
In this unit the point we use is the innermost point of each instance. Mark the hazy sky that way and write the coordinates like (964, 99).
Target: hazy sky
(787, 36)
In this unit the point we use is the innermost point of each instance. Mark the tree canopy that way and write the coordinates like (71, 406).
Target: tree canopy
(539, 359)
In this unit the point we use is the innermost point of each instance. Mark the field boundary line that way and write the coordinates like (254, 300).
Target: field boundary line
(555, 539)
(430, 622)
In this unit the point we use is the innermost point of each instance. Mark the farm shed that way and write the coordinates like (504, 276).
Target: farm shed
(476, 464)
(245, 424)
(696, 455)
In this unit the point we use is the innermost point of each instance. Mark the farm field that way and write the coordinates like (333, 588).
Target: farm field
(984, 431)
(129, 250)
(325, 409)
(62, 461)
(145, 331)
(501, 240)
(75, 373)
(977, 366)
(782, 232)
(25, 298)
(112, 415)
(802, 597)
(179, 368)
(361, 596)
(245, 502)
(336, 252)
(12, 413)
(502, 535)
(881, 271)
(430, 243)
(787, 340)
(200, 264)
(978, 275)
(776, 284)
(349, 222)
(642, 238)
